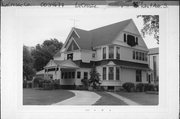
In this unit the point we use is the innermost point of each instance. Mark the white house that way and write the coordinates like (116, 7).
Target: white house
(153, 55)
(117, 50)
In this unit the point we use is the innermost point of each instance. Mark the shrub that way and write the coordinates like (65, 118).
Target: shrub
(47, 86)
(148, 87)
(140, 87)
(156, 87)
(128, 86)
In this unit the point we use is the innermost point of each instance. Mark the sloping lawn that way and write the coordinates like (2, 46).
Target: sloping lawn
(44, 97)
(107, 99)
(141, 97)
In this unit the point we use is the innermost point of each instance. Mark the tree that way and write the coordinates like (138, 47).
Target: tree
(45, 52)
(94, 78)
(28, 70)
(151, 26)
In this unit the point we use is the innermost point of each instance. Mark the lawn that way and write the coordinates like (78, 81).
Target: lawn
(44, 97)
(141, 97)
(107, 99)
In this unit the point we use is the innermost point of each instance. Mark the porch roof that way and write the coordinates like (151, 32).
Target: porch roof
(61, 64)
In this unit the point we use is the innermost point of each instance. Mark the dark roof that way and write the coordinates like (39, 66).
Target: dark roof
(105, 35)
(99, 36)
(122, 63)
(83, 64)
(153, 51)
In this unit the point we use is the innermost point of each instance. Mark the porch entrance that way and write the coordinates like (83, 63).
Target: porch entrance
(67, 80)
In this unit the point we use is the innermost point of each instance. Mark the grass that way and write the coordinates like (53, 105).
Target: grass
(44, 97)
(107, 99)
(141, 97)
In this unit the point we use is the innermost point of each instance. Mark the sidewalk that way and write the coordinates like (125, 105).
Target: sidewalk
(81, 98)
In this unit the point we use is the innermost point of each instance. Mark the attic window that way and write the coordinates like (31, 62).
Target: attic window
(131, 40)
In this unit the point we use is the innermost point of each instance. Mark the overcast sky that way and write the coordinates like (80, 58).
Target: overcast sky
(36, 24)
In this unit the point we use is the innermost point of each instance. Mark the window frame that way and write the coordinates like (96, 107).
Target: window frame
(117, 52)
(111, 74)
(111, 53)
(78, 74)
(118, 73)
(104, 52)
(104, 73)
(138, 75)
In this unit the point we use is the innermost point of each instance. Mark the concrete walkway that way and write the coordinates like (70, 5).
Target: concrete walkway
(81, 98)
(126, 100)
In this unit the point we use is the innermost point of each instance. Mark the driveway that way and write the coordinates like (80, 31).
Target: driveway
(81, 98)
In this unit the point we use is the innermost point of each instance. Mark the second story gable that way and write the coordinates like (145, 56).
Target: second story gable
(120, 41)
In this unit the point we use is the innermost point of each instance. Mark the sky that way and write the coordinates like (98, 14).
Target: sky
(36, 24)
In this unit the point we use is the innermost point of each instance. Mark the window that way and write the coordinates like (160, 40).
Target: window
(137, 40)
(143, 56)
(138, 76)
(140, 54)
(111, 52)
(69, 75)
(117, 52)
(70, 56)
(62, 75)
(73, 74)
(104, 53)
(137, 55)
(66, 75)
(117, 73)
(85, 75)
(104, 73)
(124, 37)
(78, 74)
(111, 73)
(131, 40)
(93, 55)
(134, 54)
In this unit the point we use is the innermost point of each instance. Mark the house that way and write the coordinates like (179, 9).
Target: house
(153, 57)
(117, 51)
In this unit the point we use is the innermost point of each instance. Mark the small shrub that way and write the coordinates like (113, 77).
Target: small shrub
(140, 87)
(148, 87)
(129, 87)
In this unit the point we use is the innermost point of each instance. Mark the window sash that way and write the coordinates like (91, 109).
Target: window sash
(117, 52)
(78, 74)
(104, 73)
(111, 52)
(104, 53)
(117, 73)
(111, 73)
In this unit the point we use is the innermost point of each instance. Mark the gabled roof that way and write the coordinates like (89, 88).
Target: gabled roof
(105, 35)
(99, 36)
(153, 51)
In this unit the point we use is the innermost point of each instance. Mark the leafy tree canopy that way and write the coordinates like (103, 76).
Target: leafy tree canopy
(45, 52)
(151, 26)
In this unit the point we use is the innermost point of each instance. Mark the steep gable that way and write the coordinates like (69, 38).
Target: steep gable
(105, 35)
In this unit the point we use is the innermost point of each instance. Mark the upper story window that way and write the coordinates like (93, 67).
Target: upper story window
(139, 56)
(117, 52)
(104, 53)
(125, 38)
(70, 56)
(130, 39)
(111, 52)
